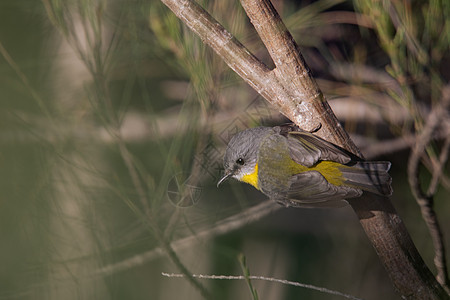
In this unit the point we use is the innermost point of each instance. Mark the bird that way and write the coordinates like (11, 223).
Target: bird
(299, 169)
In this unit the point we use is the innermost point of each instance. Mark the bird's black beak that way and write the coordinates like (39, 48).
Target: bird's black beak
(227, 175)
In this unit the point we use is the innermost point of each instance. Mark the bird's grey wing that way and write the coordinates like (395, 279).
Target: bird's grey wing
(311, 189)
(307, 149)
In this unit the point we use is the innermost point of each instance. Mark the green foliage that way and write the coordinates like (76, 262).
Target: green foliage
(415, 36)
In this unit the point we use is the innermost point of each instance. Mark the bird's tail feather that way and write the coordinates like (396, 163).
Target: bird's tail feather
(371, 176)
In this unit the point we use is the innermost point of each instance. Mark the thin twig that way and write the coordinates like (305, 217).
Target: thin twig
(439, 168)
(271, 279)
(425, 201)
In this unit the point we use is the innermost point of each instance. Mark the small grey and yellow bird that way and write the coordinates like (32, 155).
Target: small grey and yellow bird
(297, 168)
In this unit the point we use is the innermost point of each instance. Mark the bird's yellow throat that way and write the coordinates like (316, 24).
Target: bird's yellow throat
(251, 178)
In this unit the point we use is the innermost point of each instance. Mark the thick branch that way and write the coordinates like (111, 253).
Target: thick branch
(271, 84)
(235, 55)
(291, 88)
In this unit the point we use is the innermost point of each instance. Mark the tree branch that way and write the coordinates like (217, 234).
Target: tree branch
(425, 200)
(291, 88)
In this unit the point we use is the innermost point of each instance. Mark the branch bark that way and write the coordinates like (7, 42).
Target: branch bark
(291, 88)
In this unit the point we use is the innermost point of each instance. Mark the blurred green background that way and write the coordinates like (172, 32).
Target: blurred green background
(114, 120)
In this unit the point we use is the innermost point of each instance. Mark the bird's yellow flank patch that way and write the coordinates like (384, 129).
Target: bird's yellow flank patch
(329, 169)
(251, 178)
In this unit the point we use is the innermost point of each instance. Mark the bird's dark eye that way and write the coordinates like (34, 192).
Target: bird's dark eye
(240, 161)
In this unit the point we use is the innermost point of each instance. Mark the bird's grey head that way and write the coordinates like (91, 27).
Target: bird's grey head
(242, 153)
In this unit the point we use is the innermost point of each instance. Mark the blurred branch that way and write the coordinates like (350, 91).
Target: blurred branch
(229, 224)
(425, 200)
(367, 74)
(150, 217)
(25, 81)
(291, 88)
(374, 149)
(346, 17)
